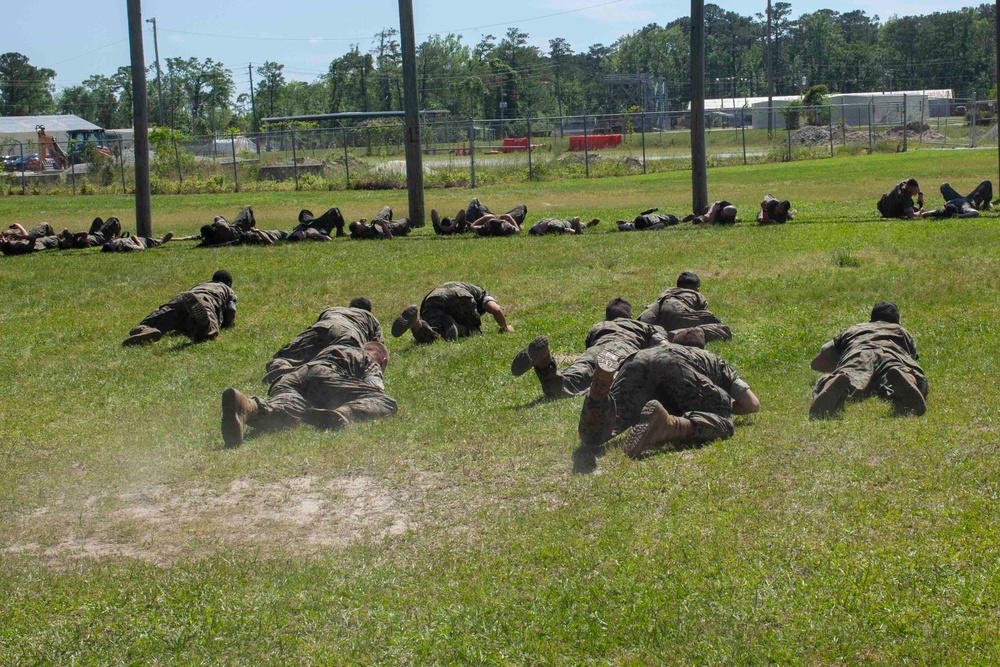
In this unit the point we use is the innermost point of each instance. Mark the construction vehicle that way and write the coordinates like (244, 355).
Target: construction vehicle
(47, 147)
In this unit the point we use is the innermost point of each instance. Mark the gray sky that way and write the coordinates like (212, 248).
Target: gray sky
(91, 37)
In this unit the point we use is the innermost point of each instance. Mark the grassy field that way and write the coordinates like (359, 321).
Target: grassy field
(467, 530)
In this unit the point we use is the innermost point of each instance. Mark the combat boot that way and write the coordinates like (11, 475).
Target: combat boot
(199, 324)
(142, 335)
(405, 321)
(904, 393)
(332, 420)
(608, 362)
(237, 410)
(656, 426)
(831, 399)
(536, 355)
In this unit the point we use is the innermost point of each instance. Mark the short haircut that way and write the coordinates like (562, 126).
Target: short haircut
(222, 276)
(379, 350)
(689, 280)
(885, 311)
(362, 302)
(618, 308)
(206, 231)
(691, 337)
(912, 183)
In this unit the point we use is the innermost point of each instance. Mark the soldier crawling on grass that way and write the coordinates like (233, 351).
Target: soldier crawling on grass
(381, 227)
(872, 358)
(561, 226)
(354, 325)
(199, 313)
(341, 385)
(476, 210)
(101, 231)
(618, 334)
(775, 212)
(241, 231)
(648, 221)
(674, 394)
(450, 311)
(128, 243)
(19, 241)
(684, 306)
(716, 213)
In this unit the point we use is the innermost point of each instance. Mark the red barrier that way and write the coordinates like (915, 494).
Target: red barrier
(594, 141)
(515, 145)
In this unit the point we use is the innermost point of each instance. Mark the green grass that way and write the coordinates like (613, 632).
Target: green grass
(456, 532)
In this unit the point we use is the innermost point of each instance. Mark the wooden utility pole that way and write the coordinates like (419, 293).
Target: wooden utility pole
(253, 105)
(140, 122)
(159, 74)
(414, 158)
(996, 21)
(699, 168)
(770, 75)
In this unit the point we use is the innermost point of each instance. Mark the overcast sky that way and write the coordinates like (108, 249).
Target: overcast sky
(78, 39)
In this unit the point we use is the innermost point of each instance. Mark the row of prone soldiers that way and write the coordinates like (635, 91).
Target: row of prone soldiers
(475, 219)
(648, 379)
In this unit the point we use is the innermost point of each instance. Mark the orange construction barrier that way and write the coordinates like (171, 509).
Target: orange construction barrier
(594, 141)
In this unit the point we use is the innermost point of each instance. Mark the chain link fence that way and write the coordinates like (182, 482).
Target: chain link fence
(470, 153)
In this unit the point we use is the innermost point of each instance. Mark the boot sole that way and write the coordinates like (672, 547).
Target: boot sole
(525, 359)
(144, 338)
(831, 400)
(905, 395)
(232, 427)
(653, 429)
(404, 321)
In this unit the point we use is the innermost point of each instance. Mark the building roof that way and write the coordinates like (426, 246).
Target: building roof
(723, 103)
(60, 123)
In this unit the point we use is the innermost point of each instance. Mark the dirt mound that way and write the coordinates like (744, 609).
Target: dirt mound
(817, 135)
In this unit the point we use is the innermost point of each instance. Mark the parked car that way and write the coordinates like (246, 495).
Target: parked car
(29, 161)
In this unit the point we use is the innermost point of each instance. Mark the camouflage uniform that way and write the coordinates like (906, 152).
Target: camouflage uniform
(43, 237)
(477, 209)
(199, 312)
(551, 226)
(624, 336)
(649, 222)
(325, 224)
(496, 227)
(689, 382)
(866, 352)
(771, 204)
(680, 308)
(894, 203)
(979, 199)
(240, 231)
(342, 378)
(373, 231)
(129, 244)
(101, 231)
(455, 303)
(719, 205)
(336, 326)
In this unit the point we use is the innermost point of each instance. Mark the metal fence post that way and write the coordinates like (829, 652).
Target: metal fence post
(829, 119)
(743, 127)
(472, 153)
(72, 167)
(177, 156)
(906, 129)
(531, 174)
(972, 121)
(586, 149)
(788, 130)
(295, 161)
(347, 162)
(642, 120)
(923, 103)
(121, 164)
(232, 145)
(24, 181)
(871, 137)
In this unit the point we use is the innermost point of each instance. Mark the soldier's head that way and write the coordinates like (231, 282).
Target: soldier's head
(783, 207)
(689, 280)
(222, 276)
(885, 311)
(691, 337)
(206, 231)
(378, 353)
(728, 214)
(356, 227)
(912, 187)
(618, 308)
(362, 302)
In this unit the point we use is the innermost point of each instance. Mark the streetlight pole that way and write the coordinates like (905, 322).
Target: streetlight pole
(159, 74)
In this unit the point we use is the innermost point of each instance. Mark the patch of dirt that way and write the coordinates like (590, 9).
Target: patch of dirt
(159, 524)
(817, 135)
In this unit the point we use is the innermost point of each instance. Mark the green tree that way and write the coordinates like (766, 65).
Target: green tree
(24, 88)
(271, 82)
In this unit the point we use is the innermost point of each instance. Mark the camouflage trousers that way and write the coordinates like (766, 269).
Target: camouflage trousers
(188, 313)
(303, 395)
(575, 379)
(867, 370)
(681, 389)
(672, 316)
(439, 311)
(303, 348)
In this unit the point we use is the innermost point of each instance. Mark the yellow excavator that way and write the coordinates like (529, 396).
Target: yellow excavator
(47, 147)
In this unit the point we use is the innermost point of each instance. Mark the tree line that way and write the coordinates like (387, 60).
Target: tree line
(506, 77)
